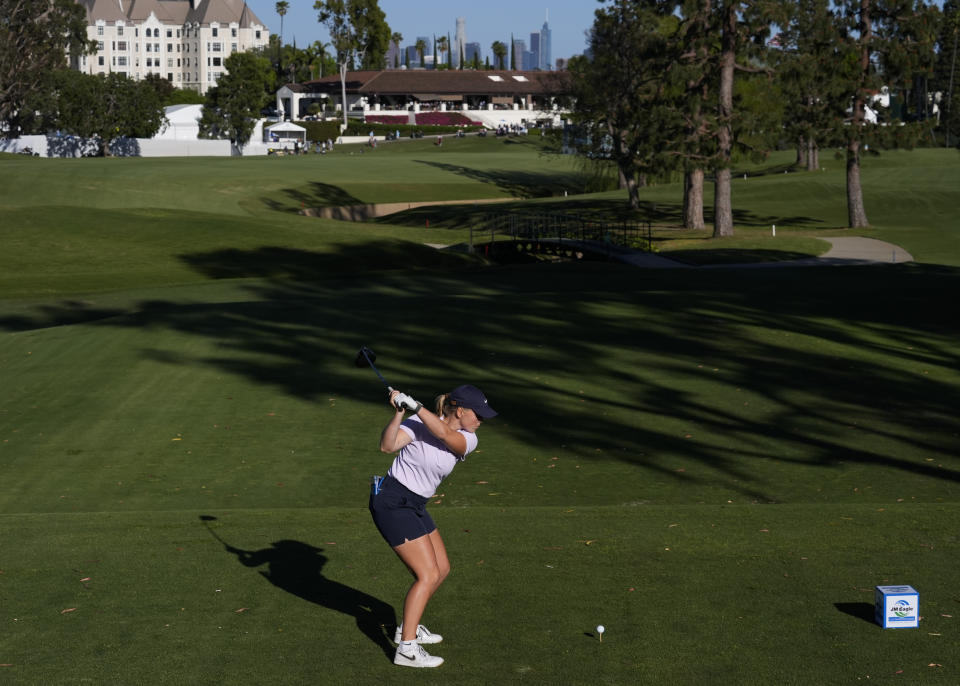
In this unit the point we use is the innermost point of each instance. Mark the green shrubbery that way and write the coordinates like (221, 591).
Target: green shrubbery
(322, 130)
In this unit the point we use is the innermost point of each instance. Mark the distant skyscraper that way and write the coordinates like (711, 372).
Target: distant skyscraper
(413, 59)
(473, 49)
(459, 46)
(519, 49)
(393, 60)
(546, 56)
(535, 50)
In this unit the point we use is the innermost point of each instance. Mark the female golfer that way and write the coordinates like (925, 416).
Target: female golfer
(429, 447)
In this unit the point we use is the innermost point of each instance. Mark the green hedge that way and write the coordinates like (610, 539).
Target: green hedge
(322, 130)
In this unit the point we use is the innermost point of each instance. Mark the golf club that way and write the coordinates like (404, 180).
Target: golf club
(243, 555)
(206, 519)
(368, 356)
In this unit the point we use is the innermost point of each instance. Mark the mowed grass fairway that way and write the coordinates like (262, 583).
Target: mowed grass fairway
(716, 464)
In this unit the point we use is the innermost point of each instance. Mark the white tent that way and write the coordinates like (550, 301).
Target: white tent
(284, 131)
(183, 123)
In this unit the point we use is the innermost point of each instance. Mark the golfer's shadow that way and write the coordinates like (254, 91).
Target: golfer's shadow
(297, 568)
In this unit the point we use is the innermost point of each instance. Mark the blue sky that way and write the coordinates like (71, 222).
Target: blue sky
(487, 20)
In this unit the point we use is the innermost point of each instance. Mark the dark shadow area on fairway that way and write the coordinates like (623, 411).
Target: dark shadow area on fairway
(519, 184)
(63, 313)
(719, 256)
(664, 216)
(303, 265)
(864, 611)
(672, 214)
(476, 214)
(297, 568)
(318, 195)
(328, 321)
(287, 266)
(592, 209)
(854, 392)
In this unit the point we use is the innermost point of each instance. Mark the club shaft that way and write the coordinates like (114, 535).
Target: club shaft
(376, 371)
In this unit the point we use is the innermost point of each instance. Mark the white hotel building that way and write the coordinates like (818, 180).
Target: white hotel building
(183, 41)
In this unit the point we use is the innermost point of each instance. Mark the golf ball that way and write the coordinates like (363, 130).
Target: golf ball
(600, 628)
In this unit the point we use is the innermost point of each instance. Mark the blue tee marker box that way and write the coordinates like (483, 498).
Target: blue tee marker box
(897, 607)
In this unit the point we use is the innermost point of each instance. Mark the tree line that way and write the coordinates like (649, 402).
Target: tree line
(669, 86)
(691, 86)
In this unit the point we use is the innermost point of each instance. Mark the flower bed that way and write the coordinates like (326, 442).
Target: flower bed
(386, 118)
(445, 119)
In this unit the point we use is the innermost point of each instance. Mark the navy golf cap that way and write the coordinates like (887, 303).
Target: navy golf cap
(471, 398)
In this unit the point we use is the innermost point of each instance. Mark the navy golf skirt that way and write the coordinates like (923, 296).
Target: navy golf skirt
(399, 513)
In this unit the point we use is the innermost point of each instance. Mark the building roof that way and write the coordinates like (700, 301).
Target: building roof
(105, 10)
(441, 83)
(203, 12)
(222, 11)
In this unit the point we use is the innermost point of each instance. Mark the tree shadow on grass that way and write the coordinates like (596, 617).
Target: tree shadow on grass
(661, 214)
(720, 256)
(61, 313)
(275, 262)
(820, 368)
(297, 568)
(477, 214)
(317, 195)
(519, 184)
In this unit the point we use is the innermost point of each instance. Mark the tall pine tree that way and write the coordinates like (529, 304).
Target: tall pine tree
(809, 74)
(619, 94)
(886, 41)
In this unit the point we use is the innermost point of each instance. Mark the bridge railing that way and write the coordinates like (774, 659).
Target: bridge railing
(554, 228)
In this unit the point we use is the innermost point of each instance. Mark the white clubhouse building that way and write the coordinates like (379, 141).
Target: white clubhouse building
(183, 41)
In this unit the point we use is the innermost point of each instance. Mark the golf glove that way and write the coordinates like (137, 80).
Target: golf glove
(405, 402)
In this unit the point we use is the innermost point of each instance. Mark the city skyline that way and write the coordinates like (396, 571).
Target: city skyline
(537, 57)
(495, 21)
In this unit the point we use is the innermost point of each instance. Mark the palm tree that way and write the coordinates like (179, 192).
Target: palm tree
(317, 52)
(282, 8)
(442, 47)
(395, 39)
(499, 52)
(420, 47)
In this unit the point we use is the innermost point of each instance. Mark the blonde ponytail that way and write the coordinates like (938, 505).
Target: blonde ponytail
(441, 402)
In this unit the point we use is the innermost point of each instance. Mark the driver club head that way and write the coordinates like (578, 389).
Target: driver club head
(365, 357)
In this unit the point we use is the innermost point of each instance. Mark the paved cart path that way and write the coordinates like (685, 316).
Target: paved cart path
(847, 251)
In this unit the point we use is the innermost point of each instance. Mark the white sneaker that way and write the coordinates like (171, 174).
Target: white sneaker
(416, 657)
(423, 635)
